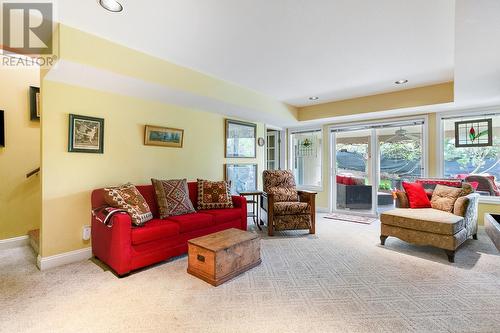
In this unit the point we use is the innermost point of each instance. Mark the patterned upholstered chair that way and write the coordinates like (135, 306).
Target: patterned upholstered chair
(287, 208)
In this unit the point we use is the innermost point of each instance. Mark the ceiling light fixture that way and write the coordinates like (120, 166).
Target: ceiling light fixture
(111, 5)
(401, 81)
(313, 98)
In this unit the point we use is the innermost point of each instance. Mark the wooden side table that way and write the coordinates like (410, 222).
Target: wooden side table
(254, 200)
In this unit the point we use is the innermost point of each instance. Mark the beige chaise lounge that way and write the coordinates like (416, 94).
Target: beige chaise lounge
(429, 226)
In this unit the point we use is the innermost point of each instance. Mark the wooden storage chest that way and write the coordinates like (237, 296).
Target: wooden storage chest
(220, 256)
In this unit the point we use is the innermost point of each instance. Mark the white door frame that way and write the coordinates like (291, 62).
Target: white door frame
(282, 145)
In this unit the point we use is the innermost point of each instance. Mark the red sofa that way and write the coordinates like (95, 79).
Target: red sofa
(125, 247)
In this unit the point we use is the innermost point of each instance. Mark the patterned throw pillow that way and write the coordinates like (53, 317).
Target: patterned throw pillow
(128, 197)
(444, 197)
(172, 197)
(213, 195)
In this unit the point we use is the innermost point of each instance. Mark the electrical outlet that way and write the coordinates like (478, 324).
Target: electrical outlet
(86, 232)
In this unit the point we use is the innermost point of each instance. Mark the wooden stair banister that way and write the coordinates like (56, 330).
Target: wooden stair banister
(33, 172)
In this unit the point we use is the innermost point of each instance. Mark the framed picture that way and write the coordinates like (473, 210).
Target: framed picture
(86, 134)
(243, 177)
(240, 139)
(34, 103)
(474, 133)
(163, 136)
(2, 129)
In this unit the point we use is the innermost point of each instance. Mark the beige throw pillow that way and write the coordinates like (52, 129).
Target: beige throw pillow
(444, 197)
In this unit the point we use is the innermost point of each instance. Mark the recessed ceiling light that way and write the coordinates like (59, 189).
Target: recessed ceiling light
(401, 81)
(313, 98)
(111, 5)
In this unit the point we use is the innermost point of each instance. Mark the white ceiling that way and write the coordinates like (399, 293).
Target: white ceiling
(287, 49)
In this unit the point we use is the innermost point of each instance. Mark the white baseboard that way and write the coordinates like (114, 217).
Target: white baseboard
(322, 210)
(10, 243)
(44, 263)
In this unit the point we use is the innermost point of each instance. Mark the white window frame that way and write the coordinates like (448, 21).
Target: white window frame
(440, 117)
(292, 131)
(376, 150)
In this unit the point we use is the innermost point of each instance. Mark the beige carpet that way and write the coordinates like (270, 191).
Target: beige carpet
(340, 280)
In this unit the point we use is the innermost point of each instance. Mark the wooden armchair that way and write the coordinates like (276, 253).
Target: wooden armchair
(287, 208)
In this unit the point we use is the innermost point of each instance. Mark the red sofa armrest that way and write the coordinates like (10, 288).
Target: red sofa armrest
(113, 245)
(241, 202)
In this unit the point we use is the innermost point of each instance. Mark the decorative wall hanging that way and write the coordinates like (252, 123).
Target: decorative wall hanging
(242, 177)
(261, 141)
(2, 129)
(240, 139)
(163, 136)
(86, 134)
(34, 103)
(473, 133)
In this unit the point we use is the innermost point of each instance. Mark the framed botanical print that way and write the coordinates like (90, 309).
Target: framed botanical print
(34, 103)
(163, 136)
(242, 177)
(86, 134)
(474, 133)
(240, 139)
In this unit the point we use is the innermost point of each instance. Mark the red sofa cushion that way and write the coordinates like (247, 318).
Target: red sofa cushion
(153, 230)
(224, 215)
(194, 221)
(416, 195)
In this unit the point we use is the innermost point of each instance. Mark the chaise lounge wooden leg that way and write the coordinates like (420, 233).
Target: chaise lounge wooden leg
(474, 236)
(451, 255)
(382, 239)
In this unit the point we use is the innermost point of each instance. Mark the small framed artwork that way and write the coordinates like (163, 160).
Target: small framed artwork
(163, 136)
(34, 103)
(474, 133)
(240, 139)
(243, 177)
(86, 134)
(2, 129)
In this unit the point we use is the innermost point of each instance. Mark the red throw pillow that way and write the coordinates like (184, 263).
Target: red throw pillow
(474, 185)
(416, 195)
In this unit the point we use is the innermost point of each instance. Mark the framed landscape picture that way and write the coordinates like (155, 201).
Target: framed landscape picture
(86, 134)
(163, 136)
(474, 133)
(243, 177)
(34, 103)
(240, 139)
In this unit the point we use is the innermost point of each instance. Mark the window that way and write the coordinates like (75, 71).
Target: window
(479, 165)
(306, 148)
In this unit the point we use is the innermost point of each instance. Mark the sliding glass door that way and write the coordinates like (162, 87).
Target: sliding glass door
(353, 171)
(400, 159)
(370, 162)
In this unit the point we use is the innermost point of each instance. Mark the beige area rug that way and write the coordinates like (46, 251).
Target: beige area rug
(339, 280)
(351, 218)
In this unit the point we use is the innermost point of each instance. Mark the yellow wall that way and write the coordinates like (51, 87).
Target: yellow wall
(428, 95)
(19, 197)
(69, 178)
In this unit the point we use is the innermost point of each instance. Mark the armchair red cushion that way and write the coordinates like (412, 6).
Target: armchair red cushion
(416, 195)
(153, 230)
(190, 222)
